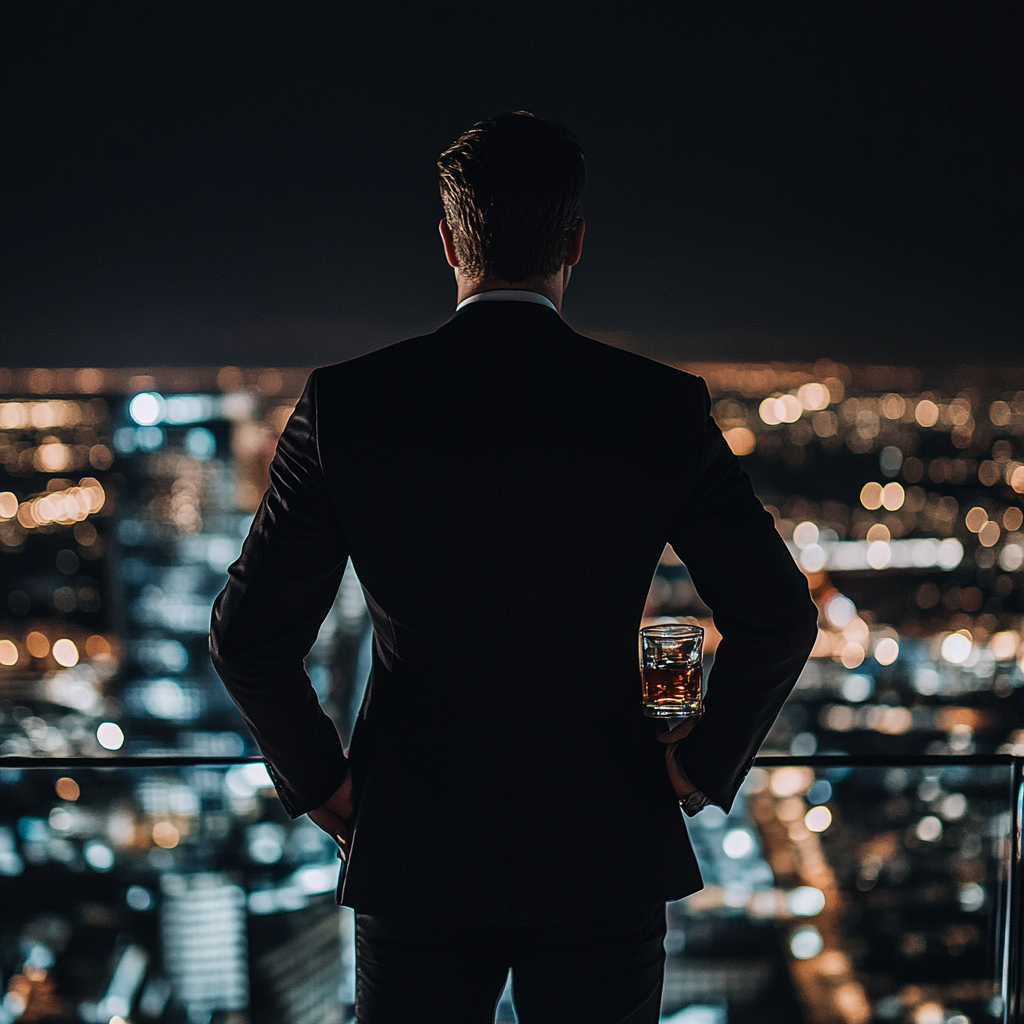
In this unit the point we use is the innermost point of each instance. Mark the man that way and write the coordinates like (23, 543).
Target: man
(504, 488)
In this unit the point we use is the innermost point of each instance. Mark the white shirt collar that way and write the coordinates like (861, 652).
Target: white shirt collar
(508, 295)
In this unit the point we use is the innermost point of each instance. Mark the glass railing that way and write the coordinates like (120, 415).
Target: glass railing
(838, 889)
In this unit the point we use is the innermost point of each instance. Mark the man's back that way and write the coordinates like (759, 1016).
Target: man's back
(504, 488)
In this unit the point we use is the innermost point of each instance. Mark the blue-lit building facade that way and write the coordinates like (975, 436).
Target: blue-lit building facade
(185, 894)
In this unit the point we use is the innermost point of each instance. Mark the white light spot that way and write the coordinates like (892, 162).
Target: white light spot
(971, 897)
(805, 534)
(110, 736)
(929, 829)
(805, 901)
(805, 943)
(954, 807)
(879, 554)
(146, 408)
(926, 680)
(737, 843)
(767, 412)
(98, 856)
(956, 648)
(857, 687)
(887, 650)
(839, 610)
(788, 408)
(244, 779)
(813, 558)
(951, 553)
(893, 496)
(65, 653)
(817, 819)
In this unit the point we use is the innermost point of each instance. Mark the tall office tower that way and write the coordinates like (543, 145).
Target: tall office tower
(203, 939)
(296, 958)
(179, 527)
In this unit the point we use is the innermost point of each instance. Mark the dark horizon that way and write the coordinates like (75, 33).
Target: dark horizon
(186, 185)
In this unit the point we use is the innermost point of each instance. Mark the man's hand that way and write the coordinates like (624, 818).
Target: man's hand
(680, 783)
(335, 816)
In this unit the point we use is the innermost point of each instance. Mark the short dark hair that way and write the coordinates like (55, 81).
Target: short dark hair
(511, 187)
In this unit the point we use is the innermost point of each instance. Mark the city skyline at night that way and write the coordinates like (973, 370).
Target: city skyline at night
(126, 493)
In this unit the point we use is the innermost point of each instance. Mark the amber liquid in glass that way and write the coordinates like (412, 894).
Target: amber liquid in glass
(672, 691)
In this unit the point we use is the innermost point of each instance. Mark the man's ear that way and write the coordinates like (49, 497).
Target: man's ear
(449, 243)
(575, 248)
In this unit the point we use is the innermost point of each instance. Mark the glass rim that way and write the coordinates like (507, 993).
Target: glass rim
(672, 629)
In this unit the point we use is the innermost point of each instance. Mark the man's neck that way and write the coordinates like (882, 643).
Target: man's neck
(552, 288)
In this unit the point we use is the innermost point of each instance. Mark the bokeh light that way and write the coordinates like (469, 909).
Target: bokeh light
(109, 736)
(817, 819)
(65, 653)
(67, 789)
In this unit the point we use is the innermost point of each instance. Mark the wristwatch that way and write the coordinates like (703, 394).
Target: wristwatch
(695, 802)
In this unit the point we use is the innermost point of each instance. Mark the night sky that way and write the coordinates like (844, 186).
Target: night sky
(255, 183)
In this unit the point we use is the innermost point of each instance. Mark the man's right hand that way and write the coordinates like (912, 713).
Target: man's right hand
(335, 816)
(680, 783)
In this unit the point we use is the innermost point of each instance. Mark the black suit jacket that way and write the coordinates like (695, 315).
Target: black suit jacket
(504, 488)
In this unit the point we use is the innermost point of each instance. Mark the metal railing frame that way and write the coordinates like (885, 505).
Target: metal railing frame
(1013, 910)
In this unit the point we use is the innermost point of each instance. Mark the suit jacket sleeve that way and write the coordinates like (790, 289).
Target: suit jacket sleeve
(267, 617)
(761, 605)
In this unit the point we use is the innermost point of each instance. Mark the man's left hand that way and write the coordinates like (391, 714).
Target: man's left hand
(335, 816)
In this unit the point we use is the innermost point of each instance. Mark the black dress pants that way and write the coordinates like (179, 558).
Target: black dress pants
(604, 971)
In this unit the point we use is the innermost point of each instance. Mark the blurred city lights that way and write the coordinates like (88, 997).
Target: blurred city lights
(245, 780)
(956, 647)
(139, 898)
(165, 835)
(109, 736)
(1003, 645)
(65, 507)
(887, 650)
(893, 497)
(1011, 557)
(805, 534)
(817, 819)
(98, 856)
(814, 397)
(839, 610)
(890, 460)
(740, 440)
(879, 554)
(65, 653)
(971, 897)
(8, 653)
(857, 687)
(146, 409)
(37, 644)
(871, 496)
(926, 413)
(805, 901)
(976, 519)
(67, 789)
(737, 843)
(805, 943)
(988, 535)
(852, 655)
(787, 782)
(929, 829)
